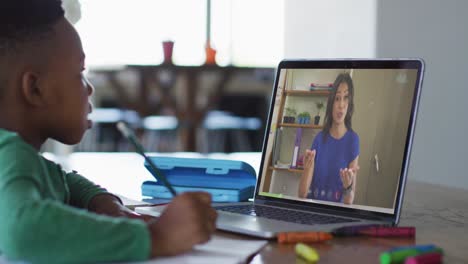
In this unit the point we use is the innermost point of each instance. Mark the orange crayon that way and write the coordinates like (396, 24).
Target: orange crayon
(306, 237)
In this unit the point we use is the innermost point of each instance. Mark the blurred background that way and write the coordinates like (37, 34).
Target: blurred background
(212, 94)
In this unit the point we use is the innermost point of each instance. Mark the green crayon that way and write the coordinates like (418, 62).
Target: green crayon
(399, 256)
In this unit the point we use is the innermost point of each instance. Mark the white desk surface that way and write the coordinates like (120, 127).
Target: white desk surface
(122, 173)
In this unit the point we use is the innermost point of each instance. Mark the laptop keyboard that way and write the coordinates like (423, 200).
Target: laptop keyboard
(283, 214)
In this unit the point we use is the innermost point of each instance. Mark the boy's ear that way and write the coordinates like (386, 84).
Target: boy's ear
(31, 89)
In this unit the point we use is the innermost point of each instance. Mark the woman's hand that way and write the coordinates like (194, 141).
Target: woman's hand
(307, 174)
(309, 158)
(348, 176)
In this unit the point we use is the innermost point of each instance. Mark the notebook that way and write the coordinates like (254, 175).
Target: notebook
(353, 114)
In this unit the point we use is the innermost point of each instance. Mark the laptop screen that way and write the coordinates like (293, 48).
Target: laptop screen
(339, 133)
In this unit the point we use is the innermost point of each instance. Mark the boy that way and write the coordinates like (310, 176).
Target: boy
(46, 214)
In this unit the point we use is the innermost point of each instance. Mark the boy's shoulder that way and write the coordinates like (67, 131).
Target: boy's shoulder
(11, 141)
(16, 156)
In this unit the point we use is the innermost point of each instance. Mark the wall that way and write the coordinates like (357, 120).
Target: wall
(332, 28)
(435, 31)
(431, 29)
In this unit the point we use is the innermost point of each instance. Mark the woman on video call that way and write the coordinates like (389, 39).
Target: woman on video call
(331, 165)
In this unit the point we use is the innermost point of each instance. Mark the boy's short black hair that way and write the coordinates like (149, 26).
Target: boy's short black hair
(26, 20)
(23, 22)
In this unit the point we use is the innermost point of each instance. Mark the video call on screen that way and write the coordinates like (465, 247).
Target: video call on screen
(374, 106)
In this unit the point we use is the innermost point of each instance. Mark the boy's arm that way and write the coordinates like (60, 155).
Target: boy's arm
(86, 194)
(31, 225)
(82, 190)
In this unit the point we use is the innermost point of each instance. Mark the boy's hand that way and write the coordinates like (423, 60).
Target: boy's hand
(107, 204)
(188, 220)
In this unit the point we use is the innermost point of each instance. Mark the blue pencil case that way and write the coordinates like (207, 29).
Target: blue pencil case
(225, 180)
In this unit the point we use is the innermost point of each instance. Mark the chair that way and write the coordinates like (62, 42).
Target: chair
(160, 134)
(236, 125)
(104, 136)
(226, 132)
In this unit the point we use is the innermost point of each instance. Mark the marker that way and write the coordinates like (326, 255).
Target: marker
(127, 132)
(306, 252)
(423, 248)
(307, 237)
(428, 258)
(132, 207)
(351, 230)
(399, 256)
(389, 231)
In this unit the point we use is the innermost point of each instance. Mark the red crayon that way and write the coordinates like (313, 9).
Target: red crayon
(389, 231)
(428, 258)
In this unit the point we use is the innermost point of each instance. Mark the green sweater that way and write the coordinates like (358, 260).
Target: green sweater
(43, 216)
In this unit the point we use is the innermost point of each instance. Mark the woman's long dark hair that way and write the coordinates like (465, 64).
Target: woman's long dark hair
(341, 78)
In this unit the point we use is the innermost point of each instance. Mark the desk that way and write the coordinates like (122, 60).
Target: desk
(164, 77)
(440, 214)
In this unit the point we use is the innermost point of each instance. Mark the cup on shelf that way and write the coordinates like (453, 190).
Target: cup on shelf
(168, 47)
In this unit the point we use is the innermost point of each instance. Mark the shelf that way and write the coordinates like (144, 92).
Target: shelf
(300, 125)
(287, 169)
(307, 93)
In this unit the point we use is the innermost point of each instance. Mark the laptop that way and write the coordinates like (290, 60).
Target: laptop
(353, 114)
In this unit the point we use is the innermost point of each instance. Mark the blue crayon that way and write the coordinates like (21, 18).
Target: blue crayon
(417, 247)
